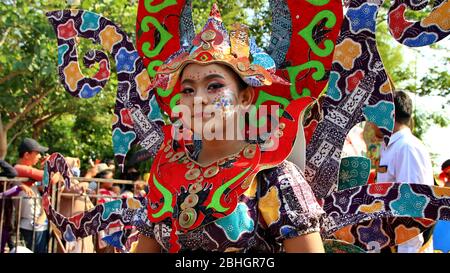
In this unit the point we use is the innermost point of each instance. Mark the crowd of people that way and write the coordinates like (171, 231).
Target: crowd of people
(26, 207)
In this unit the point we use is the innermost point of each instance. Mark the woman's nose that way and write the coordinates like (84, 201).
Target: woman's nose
(201, 97)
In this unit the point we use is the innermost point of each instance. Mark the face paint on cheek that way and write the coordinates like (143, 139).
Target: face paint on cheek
(224, 102)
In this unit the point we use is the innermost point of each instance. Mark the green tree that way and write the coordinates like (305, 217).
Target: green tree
(32, 101)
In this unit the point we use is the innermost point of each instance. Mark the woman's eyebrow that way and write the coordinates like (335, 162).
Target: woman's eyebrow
(210, 76)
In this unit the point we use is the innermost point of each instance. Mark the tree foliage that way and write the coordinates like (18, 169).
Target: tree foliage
(32, 101)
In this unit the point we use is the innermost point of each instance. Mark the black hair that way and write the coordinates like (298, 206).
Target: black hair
(103, 174)
(110, 161)
(403, 107)
(22, 153)
(446, 164)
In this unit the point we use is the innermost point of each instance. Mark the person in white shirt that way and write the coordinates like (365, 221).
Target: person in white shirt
(405, 160)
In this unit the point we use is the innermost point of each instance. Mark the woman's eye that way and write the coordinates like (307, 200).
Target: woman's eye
(187, 91)
(215, 86)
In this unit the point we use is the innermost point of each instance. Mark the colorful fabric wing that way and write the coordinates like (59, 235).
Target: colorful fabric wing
(429, 30)
(353, 172)
(358, 86)
(358, 90)
(383, 215)
(358, 204)
(313, 29)
(382, 233)
(92, 221)
(159, 35)
(137, 118)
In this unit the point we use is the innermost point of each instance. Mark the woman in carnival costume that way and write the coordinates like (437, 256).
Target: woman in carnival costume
(234, 189)
(218, 182)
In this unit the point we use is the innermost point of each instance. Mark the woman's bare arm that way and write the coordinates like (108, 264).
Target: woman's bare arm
(147, 245)
(308, 243)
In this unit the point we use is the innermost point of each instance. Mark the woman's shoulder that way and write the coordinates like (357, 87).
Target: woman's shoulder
(287, 204)
(284, 171)
(290, 183)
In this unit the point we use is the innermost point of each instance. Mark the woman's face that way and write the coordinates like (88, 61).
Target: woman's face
(210, 96)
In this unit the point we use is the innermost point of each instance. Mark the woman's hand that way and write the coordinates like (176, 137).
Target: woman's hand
(27, 190)
(83, 187)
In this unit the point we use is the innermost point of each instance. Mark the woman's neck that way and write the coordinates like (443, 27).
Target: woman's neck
(213, 150)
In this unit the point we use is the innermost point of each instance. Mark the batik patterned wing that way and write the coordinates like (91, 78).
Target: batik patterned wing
(358, 87)
(358, 90)
(302, 45)
(56, 164)
(137, 117)
(353, 172)
(92, 221)
(355, 205)
(429, 30)
(382, 233)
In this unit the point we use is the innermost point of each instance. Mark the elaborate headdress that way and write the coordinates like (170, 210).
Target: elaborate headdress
(213, 44)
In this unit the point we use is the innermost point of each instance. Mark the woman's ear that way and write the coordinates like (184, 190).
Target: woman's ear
(246, 96)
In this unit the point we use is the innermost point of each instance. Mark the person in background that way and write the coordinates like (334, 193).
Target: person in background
(92, 170)
(8, 171)
(131, 174)
(405, 160)
(139, 188)
(33, 219)
(444, 176)
(111, 164)
(106, 188)
(373, 137)
(116, 189)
